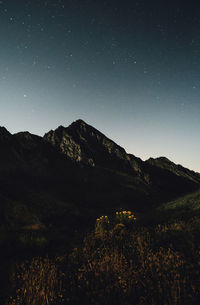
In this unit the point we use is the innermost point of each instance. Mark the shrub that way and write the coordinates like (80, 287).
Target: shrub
(117, 263)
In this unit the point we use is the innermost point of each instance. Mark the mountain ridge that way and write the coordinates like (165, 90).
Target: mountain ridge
(75, 173)
(109, 145)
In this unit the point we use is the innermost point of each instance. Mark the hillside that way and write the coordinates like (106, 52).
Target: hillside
(183, 207)
(85, 145)
(67, 178)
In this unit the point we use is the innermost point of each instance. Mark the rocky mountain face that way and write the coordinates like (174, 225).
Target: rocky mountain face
(74, 174)
(86, 145)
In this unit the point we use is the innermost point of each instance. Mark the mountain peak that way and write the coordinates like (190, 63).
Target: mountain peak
(178, 170)
(4, 133)
(84, 143)
(79, 122)
(79, 125)
(159, 160)
(3, 130)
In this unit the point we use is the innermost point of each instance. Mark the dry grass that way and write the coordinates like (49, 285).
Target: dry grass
(117, 264)
(36, 282)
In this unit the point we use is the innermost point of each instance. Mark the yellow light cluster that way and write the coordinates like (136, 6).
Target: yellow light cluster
(127, 214)
(103, 219)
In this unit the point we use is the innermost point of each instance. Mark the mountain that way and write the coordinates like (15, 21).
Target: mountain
(178, 170)
(71, 175)
(85, 145)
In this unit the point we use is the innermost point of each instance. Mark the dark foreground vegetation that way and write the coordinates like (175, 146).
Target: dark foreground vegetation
(124, 260)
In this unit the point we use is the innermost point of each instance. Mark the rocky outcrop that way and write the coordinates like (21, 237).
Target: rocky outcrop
(86, 145)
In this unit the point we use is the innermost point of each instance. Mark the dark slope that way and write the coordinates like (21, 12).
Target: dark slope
(177, 169)
(166, 175)
(37, 183)
(160, 178)
(73, 174)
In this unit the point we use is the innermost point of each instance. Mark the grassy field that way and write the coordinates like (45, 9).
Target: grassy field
(189, 202)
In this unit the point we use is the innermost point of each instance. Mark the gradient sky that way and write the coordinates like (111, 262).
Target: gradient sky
(129, 68)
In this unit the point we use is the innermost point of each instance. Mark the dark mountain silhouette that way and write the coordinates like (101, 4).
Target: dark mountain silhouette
(71, 175)
(86, 145)
(164, 163)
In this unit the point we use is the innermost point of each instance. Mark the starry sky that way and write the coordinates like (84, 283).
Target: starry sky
(129, 68)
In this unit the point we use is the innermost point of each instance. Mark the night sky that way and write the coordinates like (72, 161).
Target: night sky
(129, 68)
